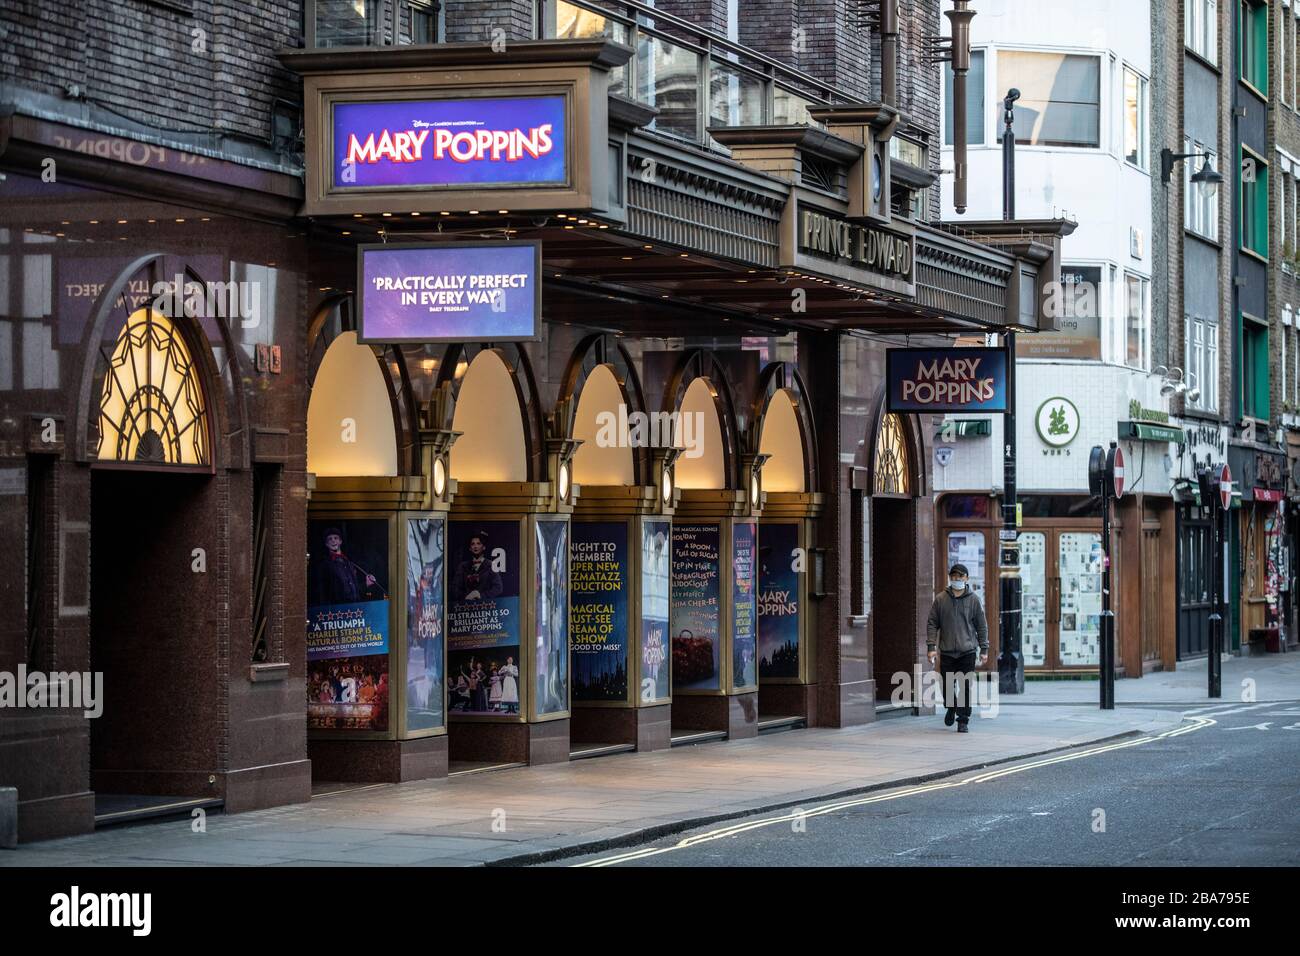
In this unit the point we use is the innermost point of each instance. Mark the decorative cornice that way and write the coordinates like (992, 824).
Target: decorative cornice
(807, 139)
(603, 54)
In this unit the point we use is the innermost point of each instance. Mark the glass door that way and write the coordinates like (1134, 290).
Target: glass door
(1079, 571)
(1033, 597)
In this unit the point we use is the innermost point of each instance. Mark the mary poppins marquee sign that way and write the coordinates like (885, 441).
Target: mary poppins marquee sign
(449, 292)
(516, 141)
(947, 380)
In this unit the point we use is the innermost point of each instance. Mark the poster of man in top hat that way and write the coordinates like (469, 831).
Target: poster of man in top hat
(340, 575)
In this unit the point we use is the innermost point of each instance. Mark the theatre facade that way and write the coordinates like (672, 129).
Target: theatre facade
(513, 430)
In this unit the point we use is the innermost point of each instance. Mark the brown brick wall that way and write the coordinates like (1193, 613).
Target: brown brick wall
(212, 69)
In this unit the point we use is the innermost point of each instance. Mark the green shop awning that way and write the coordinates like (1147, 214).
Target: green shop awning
(1148, 431)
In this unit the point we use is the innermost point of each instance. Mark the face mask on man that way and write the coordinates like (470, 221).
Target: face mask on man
(957, 586)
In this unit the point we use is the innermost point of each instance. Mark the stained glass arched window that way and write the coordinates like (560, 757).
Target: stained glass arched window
(891, 472)
(151, 407)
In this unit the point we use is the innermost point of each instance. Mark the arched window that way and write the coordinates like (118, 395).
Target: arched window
(892, 476)
(152, 407)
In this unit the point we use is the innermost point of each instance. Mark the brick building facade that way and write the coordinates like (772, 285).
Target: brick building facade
(156, 525)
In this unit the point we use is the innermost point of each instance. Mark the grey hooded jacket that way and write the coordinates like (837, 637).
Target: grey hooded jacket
(957, 624)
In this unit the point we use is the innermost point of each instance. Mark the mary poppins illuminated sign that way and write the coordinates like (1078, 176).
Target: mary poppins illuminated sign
(449, 292)
(947, 380)
(471, 142)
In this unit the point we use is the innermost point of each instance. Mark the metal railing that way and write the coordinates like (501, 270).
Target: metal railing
(694, 78)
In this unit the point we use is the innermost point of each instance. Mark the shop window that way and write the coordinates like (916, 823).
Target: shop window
(1252, 178)
(1201, 22)
(1059, 506)
(891, 470)
(967, 547)
(350, 428)
(1135, 118)
(975, 119)
(782, 439)
(1252, 39)
(152, 408)
(1254, 368)
(967, 506)
(1060, 97)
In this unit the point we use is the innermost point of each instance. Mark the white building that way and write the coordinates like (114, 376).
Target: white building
(1083, 153)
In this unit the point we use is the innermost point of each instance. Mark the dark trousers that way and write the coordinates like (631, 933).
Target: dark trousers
(957, 680)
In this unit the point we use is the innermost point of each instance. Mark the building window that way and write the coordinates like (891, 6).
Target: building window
(424, 22)
(1060, 97)
(1254, 368)
(891, 472)
(151, 407)
(1201, 20)
(1291, 33)
(1285, 213)
(1135, 118)
(1286, 53)
(1288, 195)
(347, 22)
(975, 118)
(1201, 357)
(1286, 334)
(1136, 326)
(1200, 203)
(1295, 371)
(1252, 32)
(1252, 175)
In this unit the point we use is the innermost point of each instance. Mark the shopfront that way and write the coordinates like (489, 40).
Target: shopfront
(398, 509)
(1205, 448)
(150, 480)
(1061, 553)
(1261, 554)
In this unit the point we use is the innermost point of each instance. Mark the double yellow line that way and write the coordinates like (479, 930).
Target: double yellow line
(791, 816)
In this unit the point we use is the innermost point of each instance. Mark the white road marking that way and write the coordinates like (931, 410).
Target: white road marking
(1196, 723)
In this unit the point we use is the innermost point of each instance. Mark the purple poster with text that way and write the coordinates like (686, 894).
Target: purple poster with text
(466, 142)
(449, 292)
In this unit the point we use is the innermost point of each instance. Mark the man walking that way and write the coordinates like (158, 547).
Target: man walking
(957, 625)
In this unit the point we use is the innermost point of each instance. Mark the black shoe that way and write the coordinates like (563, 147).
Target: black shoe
(949, 717)
(963, 728)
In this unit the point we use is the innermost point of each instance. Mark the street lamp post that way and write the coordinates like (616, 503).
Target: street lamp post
(1011, 661)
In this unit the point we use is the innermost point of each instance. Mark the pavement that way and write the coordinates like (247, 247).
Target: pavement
(1267, 677)
(534, 814)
